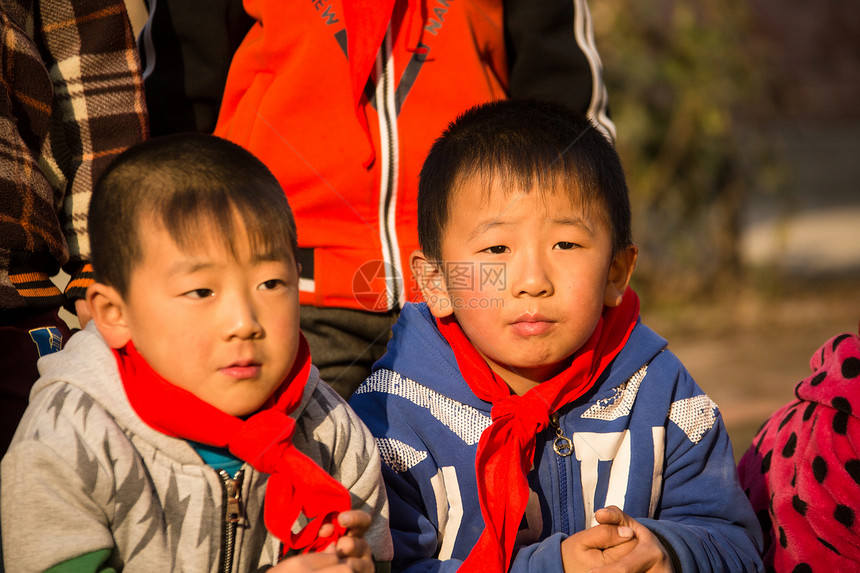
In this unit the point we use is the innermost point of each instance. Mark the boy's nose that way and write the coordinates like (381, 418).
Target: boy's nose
(241, 320)
(531, 278)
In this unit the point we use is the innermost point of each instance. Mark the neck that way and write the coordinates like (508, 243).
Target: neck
(521, 380)
(520, 385)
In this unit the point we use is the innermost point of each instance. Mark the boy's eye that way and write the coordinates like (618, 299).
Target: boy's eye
(565, 245)
(199, 293)
(271, 284)
(496, 249)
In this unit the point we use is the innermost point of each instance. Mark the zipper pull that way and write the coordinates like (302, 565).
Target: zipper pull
(562, 445)
(234, 512)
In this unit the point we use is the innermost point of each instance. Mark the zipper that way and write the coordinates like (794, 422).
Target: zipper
(563, 447)
(233, 515)
(389, 144)
(562, 495)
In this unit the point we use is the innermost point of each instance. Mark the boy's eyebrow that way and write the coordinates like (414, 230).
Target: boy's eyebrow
(267, 257)
(482, 228)
(578, 222)
(189, 266)
(192, 265)
(574, 222)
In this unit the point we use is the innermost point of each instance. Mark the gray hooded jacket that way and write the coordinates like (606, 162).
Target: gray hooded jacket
(85, 474)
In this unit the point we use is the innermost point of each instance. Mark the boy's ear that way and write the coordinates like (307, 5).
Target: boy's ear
(431, 283)
(109, 313)
(620, 272)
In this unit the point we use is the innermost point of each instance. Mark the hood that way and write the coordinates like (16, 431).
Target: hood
(418, 351)
(835, 378)
(87, 363)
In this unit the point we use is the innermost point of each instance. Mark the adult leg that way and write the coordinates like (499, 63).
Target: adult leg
(345, 343)
(24, 338)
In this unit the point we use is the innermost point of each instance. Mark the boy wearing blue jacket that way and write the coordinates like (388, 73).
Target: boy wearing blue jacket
(527, 419)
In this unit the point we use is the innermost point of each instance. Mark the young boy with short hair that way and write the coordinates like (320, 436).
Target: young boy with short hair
(527, 419)
(186, 429)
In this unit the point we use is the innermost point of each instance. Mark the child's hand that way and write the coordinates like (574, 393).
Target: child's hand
(323, 562)
(597, 546)
(642, 553)
(351, 553)
(353, 545)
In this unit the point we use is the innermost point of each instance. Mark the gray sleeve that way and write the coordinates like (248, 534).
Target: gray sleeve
(338, 440)
(53, 486)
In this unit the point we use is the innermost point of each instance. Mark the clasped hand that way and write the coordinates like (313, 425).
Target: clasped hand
(617, 544)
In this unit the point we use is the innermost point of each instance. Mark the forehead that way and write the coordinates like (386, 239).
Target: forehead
(200, 236)
(477, 197)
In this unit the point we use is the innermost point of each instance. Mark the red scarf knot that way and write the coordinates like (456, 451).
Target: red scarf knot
(530, 412)
(518, 420)
(264, 440)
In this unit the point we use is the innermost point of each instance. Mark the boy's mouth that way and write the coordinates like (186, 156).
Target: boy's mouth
(242, 370)
(532, 324)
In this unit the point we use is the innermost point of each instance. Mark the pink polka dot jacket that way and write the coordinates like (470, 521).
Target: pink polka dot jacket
(802, 473)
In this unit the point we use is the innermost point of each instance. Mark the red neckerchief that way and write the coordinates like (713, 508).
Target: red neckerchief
(264, 440)
(506, 448)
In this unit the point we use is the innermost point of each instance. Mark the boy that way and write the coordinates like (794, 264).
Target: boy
(526, 394)
(184, 433)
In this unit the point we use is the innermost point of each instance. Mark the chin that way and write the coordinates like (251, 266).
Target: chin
(544, 371)
(239, 411)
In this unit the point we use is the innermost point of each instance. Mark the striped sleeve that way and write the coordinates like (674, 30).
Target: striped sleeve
(552, 55)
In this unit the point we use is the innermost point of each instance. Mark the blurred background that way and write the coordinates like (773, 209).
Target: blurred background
(739, 126)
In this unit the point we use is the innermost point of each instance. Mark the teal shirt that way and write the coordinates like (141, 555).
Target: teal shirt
(218, 458)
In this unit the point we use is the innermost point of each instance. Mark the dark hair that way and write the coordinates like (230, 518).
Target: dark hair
(522, 144)
(185, 182)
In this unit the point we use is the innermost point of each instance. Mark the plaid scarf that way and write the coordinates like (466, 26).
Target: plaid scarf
(296, 484)
(506, 448)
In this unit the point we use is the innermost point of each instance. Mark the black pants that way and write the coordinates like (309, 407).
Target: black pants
(345, 343)
(24, 338)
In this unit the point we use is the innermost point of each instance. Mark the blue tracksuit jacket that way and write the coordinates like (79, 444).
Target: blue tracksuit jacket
(646, 438)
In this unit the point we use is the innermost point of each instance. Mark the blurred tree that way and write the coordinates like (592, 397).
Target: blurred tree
(686, 84)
